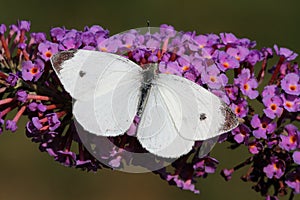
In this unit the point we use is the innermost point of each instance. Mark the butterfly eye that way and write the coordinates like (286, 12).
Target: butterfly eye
(202, 116)
(82, 73)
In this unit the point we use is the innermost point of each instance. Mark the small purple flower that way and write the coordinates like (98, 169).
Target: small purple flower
(275, 169)
(245, 42)
(1, 123)
(32, 106)
(228, 38)
(53, 121)
(293, 180)
(169, 68)
(98, 31)
(247, 84)
(13, 29)
(273, 106)
(129, 40)
(240, 108)
(41, 107)
(37, 38)
(288, 54)
(153, 44)
(47, 49)
(254, 56)
(133, 127)
(21, 96)
(24, 25)
(290, 84)
(289, 140)
(240, 53)
(167, 30)
(109, 45)
(296, 157)
(88, 39)
(12, 79)
(290, 102)
(262, 126)
(115, 162)
(221, 94)
(184, 63)
(58, 33)
(267, 52)
(32, 71)
(11, 125)
(138, 55)
(232, 91)
(22, 46)
(226, 61)
(212, 39)
(36, 123)
(272, 197)
(185, 185)
(67, 158)
(270, 90)
(153, 58)
(255, 147)
(213, 78)
(227, 173)
(188, 185)
(2, 29)
(201, 40)
(241, 133)
(204, 166)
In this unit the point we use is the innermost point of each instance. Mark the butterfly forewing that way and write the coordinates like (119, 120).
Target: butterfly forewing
(105, 88)
(202, 114)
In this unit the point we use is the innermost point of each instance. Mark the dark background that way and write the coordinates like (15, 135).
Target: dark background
(25, 173)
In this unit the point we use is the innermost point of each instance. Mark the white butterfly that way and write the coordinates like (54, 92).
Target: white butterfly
(110, 90)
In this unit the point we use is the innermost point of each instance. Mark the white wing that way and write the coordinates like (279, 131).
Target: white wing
(177, 113)
(105, 88)
(157, 132)
(197, 113)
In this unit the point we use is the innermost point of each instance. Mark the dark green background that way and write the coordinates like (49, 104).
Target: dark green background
(25, 173)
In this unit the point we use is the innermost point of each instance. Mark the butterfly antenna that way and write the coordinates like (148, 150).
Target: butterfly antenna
(148, 25)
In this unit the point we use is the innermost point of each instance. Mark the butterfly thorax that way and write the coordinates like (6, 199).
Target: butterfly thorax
(149, 73)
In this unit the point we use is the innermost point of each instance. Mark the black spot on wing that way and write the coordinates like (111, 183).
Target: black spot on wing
(58, 59)
(202, 116)
(82, 73)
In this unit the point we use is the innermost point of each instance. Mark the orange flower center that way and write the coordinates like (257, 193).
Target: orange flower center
(292, 139)
(48, 54)
(237, 57)
(288, 104)
(226, 64)
(273, 106)
(34, 70)
(237, 110)
(246, 86)
(185, 68)
(228, 91)
(293, 87)
(103, 49)
(275, 166)
(264, 125)
(213, 79)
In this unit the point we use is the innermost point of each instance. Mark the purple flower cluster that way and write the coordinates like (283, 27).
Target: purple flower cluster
(230, 67)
